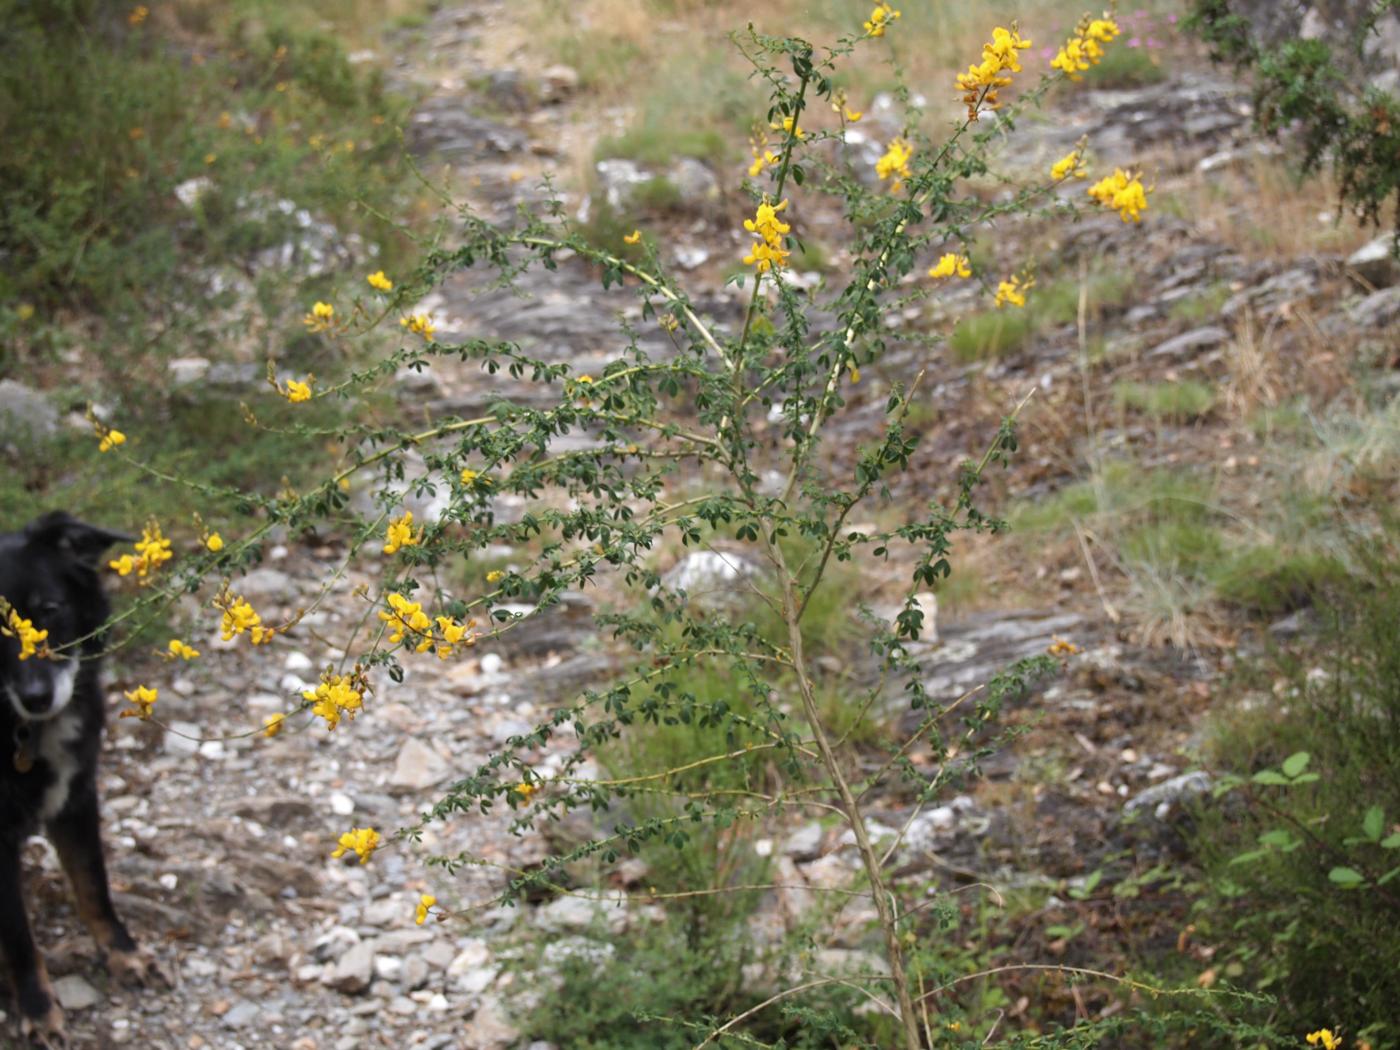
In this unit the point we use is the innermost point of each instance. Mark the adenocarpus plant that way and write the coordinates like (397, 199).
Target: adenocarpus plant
(724, 436)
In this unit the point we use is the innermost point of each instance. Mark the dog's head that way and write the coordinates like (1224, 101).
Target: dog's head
(49, 576)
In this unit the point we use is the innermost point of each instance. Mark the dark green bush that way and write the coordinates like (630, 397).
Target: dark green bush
(1285, 915)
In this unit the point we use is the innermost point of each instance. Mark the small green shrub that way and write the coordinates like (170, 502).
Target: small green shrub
(1178, 402)
(1297, 857)
(1269, 580)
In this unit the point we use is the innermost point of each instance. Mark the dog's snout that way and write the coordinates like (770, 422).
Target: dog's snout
(34, 694)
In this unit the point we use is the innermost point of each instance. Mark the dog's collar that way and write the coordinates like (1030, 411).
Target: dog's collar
(24, 748)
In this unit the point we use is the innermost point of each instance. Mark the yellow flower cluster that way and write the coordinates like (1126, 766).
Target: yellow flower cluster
(400, 534)
(108, 438)
(214, 542)
(635, 237)
(895, 163)
(419, 324)
(1123, 192)
(763, 157)
(789, 126)
(138, 14)
(442, 634)
(362, 841)
(379, 282)
(981, 82)
(1062, 647)
(152, 551)
(1324, 1038)
(426, 902)
(142, 699)
(296, 391)
(1014, 291)
(272, 725)
(879, 19)
(769, 252)
(32, 642)
(240, 617)
(951, 265)
(321, 317)
(178, 650)
(1085, 48)
(1071, 164)
(473, 477)
(335, 696)
(526, 791)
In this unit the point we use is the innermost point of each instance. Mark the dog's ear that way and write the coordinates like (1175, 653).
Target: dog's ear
(62, 532)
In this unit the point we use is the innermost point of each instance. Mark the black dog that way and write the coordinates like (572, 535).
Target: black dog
(51, 718)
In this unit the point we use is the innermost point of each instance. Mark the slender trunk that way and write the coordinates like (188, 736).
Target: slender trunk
(869, 857)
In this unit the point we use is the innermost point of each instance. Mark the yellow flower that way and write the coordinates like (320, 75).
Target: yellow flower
(980, 83)
(453, 634)
(272, 725)
(1085, 49)
(1123, 192)
(109, 439)
(297, 391)
(239, 617)
(138, 15)
(1014, 291)
(495, 576)
(178, 650)
(769, 252)
(407, 618)
(214, 542)
(152, 551)
(31, 639)
(336, 696)
(951, 265)
(379, 282)
(762, 160)
(362, 841)
(584, 379)
(853, 115)
(879, 19)
(1062, 647)
(425, 905)
(635, 237)
(787, 126)
(321, 317)
(400, 534)
(210, 158)
(24, 311)
(525, 791)
(895, 163)
(419, 324)
(1070, 164)
(143, 699)
(1324, 1038)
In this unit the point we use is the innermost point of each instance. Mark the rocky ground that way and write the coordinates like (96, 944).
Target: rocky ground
(220, 847)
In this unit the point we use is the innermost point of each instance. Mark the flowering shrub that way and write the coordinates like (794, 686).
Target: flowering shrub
(600, 512)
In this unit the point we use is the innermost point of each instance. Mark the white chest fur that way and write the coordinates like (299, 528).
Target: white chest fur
(54, 748)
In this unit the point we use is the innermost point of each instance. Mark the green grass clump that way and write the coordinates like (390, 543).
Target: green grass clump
(991, 334)
(1179, 402)
(1126, 67)
(1328, 953)
(1270, 580)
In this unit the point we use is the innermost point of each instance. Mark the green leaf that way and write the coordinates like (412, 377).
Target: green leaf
(1250, 857)
(1280, 838)
(1295, 763)
(1347, 878)
(1391, 841)
(1373, 823)
(1392, 873)
(1270, 776)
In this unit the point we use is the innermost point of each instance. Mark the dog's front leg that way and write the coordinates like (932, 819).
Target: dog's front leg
(41, 1020)
(77, 836)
